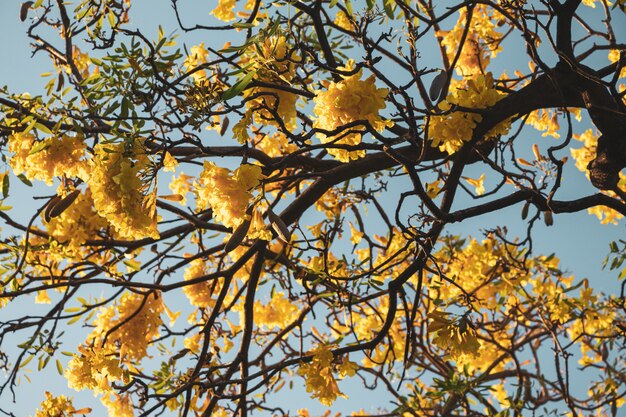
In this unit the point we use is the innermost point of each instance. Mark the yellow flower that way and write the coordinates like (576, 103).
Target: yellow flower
(119, 194)
(477, 183)
(274, 63)
(450, 131)
(481, 43)
(200, 294)
(343, 21)
(347, 101)
(181, 185)
(60, 406)
(319, 377)
(456, 337)
(279, 312)
(224, 10)
(94, 368)
(50, 158)
(137, 324)
(227, 193)
(118, 405)
(197, 56)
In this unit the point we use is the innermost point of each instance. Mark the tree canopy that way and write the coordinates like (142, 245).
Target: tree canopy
(261, 206)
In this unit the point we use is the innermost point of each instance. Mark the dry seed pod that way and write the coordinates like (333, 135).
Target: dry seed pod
(171, 197)
(525, 210)
(24, 10)
(547, 218)
(237, 237)
(224, 125)
(53, 202)
(279, 226)
(437, 86)
(63, 204)
(522, 161)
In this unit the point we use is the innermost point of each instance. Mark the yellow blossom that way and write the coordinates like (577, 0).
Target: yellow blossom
(482, 41)
(319, 377)
(274, 63)
(118, 192)
(347, 101)
(227, 193)
(477, 183)
(451, 130)
(60, 406)
(224, 10)
(130, 324)
(47, 159)
(279, 312)
(197, 57)
(200, 294)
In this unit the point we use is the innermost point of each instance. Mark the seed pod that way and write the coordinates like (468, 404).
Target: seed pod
(53, 201)
(436, 88)
(547, 218)
(279, 226)
(63, 204)
(171, 197)
(24, 10)
(538, 156)
(224, 125)
(237, 237)
(525, 210)
(522, 161)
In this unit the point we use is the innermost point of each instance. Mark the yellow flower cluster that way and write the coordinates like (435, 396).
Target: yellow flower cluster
(137, 324)
(319, 377)
(279, 312)
(78, 223)
(342, 20)
(224, 10)
(50, 158)
(119, 193)
(472, 267)
(347, 101)
(227, 193)
(181, 185)
(274, 64)
(197, 56)
(450, 131)
(583, 156)
(200, 294)
(60, 406)
(457, 337)
(482, 43)
(118, 405)
(94, 368)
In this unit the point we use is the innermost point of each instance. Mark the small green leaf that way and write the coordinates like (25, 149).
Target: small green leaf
(38, 147)
(243, 25)
(43, 128)
(5, 185)
(25, 180)
(59, 367)
(236, 89)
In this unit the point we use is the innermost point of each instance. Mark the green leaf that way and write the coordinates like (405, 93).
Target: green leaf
(59, 367)
(236, 89)
(43, 128)
(5, 208)
(243, 25)
(389, 8)
(25, 180)
(5, 185)
(38, 147)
